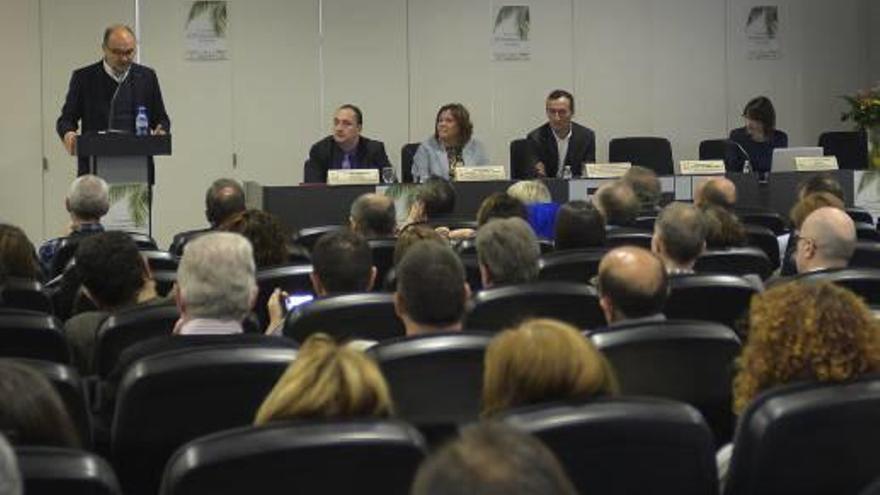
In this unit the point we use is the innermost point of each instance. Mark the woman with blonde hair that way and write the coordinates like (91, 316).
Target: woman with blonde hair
(327, 381)
(542, 360)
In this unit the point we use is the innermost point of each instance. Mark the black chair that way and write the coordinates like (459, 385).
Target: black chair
(645, 222)
(143, 241)
(436, 380)
(520, 166)
(650, 152)
(863, 281)
(713, 149)
(469, 246)
(808, 439)
(180, 239)
(628, 237)
(472, 271)
(382, 251)
(571, 265)
(165, 280)
(626, 445)
(765, 240)
(56, 470)
(688, 361)
(312, 174)
(867, 255)
(368, 316)
(407, 152)
(34, 335)
(850, 148)
(501, 307)
(128, 327)
(772, 220)
(161, 260)
(720, 298)
(867, 232)
(307, 237)
(735, 261)
(24, 293)
(860, 215)
(64, 254)
(289, 278)
(167, 399)
(338, 457)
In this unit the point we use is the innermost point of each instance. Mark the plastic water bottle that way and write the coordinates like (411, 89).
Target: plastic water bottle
(566, 172)
(747, 167)
(141, 122)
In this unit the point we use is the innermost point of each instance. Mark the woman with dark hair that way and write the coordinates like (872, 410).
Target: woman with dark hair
(17, 254)
(579, 225)
(451, 146)
(266, 233)
(31, 412)
(756, 141)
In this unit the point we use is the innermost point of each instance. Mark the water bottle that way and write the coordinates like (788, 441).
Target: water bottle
(141, 122)
(566, 172)
(747, 167)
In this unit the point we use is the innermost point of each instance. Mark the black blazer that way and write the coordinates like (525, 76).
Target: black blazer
(87, 106)
(370, 153)
(542, 148)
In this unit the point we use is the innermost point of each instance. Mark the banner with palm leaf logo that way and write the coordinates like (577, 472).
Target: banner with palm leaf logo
(129, 208)
(205, 31)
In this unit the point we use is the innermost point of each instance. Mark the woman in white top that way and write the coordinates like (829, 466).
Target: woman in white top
(451, 146)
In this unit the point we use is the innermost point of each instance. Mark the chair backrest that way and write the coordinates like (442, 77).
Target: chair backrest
(863, 281)
(867, 232)
(628, 237)
(54, 470)
(770, 219)
(867, 254)
(472, 271)
(161, 260)
(435, 379)
(25, 293)
(689, 361)
(645, 222)
(407, 152)
(713, 149)
(850, 148)
(307, 237)
(735, 261)
(501, 307)
(128, 327)
(334, 457)
(367, 316)
(170, 398)
(382, 251)
(34, 335)
(808, 439)
(572, 265)
(143, 241)
(63, 254)
(290, 278)
(626, 445)
(519, 160)
(765, 240)
(720, 298)
(650, 152)
(860, 215)
(180, 239)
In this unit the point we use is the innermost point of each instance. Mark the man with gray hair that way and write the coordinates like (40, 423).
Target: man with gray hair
(507, 252)
(87, 201)
(373, 216)
(216, 287)
(679, 237)
(827, 240)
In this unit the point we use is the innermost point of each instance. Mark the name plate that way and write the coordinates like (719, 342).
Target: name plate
(815, 163)
(606, 170)
(353, 177)
(701, 167)
(480, 174)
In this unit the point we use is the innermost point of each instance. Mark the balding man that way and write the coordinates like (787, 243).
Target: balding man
(646, 185)
(827, 240)
(717, 191)
(679, 237)
(373, 216)
(107, 95)
(618, 203)
(87, 201)
(632, 286)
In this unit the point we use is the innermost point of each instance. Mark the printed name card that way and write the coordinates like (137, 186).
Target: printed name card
(353, 177)
(701, 167)
(815, 163)
(606, 170)
(480, 174)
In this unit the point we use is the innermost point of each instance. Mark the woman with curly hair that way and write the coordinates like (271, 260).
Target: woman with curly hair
(805, 332)
(266, 233)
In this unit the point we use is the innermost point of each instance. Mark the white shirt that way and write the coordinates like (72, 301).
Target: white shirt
(118, 79)
(562, 148)
(207, 326)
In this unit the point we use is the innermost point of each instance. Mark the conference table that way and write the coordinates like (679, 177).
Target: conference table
(311, 205)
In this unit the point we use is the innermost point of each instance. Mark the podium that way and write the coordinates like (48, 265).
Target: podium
(125, 161)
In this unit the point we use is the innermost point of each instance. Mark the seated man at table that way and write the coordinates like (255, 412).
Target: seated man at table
(346, 148)
(560, 142)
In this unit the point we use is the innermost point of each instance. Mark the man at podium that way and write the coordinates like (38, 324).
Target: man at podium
(105, 96)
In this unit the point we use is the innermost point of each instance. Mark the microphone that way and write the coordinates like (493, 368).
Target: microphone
(110, 128)
(741, 149)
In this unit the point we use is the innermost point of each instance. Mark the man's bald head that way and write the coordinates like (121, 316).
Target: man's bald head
(717, 191)
(373, 215)
(827, 239)
(632, 284)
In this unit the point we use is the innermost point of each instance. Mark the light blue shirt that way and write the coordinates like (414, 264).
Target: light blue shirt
(431, 158)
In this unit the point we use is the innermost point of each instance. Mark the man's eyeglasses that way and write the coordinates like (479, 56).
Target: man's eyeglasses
(122, 53)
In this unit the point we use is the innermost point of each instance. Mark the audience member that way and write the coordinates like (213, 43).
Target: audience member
(342, 263)
(717, 191)
(434, 200)
(560, 142)
(821, 183)
(451, 146)
(10, 477)
(223, 199)
(31, 412)
(432, 291)
(539, 204)
(17, 254)
(346, 148)
(827, 239)
(799, 212)
(723, 228)
(679, 237)
(114, 276)
(411, 235)
(266, 234)
(632, 286)
(508, 252)
(327, 381)
(618, 203)
(500, 205)
(579, 225)
(542, 360)
(88, 200)
(492, 459)
(530, 192)
(373, 216)
(646, 185)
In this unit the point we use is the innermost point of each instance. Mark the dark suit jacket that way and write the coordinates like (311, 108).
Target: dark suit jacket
(87, 106)
(542, 148)
(324, 153)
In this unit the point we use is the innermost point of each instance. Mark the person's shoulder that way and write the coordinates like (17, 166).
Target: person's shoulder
(780, 137)
(539, 132)
(739, 134)
(581, 129)
(143, 69)
(372, 144)
(323, 145)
